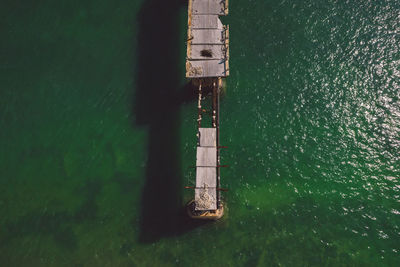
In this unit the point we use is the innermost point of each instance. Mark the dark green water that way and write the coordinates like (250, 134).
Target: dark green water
(97, 135)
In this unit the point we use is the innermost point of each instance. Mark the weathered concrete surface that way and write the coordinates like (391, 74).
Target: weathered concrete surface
(208, 39)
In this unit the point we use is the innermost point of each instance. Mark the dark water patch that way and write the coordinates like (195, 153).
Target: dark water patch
(56, 223)
(109, 150)
(127, 247)
(126, 182)
(88, 209)
(43, 153)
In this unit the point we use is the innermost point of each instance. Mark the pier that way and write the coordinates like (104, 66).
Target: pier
(207, 64)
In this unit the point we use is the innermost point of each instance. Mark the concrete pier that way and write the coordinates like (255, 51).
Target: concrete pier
(207, 63)
(208, 39)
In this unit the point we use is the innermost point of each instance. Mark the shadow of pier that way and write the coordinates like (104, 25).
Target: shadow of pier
(159, 95)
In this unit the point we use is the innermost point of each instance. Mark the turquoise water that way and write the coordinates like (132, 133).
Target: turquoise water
(97, 135)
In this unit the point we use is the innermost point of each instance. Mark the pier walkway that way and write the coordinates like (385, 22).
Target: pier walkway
(207, 63)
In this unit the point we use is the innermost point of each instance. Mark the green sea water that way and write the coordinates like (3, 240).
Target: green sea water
(98, 135)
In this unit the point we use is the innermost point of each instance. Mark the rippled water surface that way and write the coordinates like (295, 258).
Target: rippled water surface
(97, 135)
